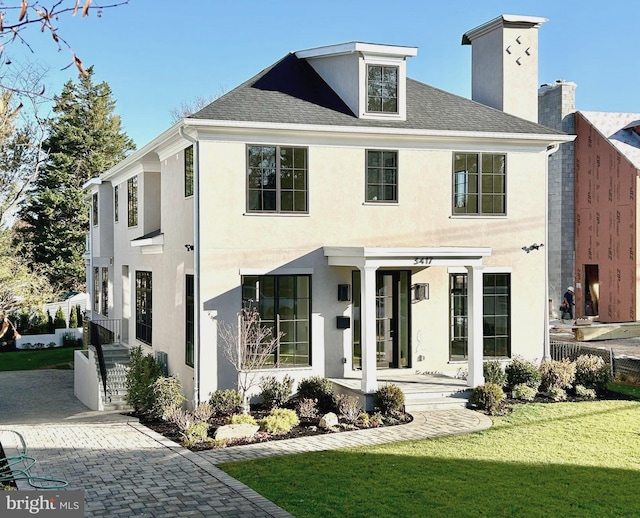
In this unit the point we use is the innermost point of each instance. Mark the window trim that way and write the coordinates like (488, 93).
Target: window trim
(366, 179)
(278, 188)
(478, 192)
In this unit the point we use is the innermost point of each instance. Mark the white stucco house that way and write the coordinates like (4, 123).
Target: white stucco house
(376, 221)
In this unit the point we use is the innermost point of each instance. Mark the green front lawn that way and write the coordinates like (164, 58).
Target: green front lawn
(57, 358)
(563, 459)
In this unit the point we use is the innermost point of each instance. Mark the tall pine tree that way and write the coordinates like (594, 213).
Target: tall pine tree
(85, 139)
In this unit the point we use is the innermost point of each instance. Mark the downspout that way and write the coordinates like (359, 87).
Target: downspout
(546, 347)
(196, 265)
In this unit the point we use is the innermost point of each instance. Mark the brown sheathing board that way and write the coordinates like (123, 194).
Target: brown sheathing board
(605, 185)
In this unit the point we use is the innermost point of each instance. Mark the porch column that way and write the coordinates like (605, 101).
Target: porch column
(474, 326)
(368, 329)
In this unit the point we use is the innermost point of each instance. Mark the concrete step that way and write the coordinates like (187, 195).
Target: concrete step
(422, 402)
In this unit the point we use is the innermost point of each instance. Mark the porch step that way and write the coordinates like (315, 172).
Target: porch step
(424, 402)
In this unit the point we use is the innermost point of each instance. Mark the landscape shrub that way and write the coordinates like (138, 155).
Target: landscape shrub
(557, 394)
(488, 397)
(59, 321)
(557, 374)
(195, 434)
(592, 372)
(167, 394)
(38, 322)
(51, 345)
(348, 407)
(203, 412)
(376, 420)
(389, 399)
(307, 408)
(279, 420)
(587, 393)
(364, 419)
(320, 389)
(494, 373)
(275, 393)
(520, 370)
(241, 419)
(73, 318)
(225, 402)
(143, 371)
(524, 392)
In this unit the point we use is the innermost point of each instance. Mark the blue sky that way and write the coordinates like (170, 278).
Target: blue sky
(157, 54)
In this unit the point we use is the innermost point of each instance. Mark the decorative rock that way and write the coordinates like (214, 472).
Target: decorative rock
(328, 421)
(235, 431)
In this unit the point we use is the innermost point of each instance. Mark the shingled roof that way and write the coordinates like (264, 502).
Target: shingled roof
(292, 92)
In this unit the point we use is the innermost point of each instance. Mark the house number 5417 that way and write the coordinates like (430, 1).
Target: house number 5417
(422, 260)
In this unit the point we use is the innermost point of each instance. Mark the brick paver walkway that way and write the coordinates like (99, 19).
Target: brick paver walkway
(128, 470)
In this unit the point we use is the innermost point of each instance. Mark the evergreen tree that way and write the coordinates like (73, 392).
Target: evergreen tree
(85, 139)
(73, 318)
(59, 321)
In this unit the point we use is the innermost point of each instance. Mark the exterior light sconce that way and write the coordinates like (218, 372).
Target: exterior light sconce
(344, 292)
(534, 246)
(420, 292)
(189, 248)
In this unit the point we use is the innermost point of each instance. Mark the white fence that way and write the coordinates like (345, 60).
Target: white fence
(30, 341)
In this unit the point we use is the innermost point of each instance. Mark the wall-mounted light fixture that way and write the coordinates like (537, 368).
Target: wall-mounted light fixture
(189, 248)
(344, 292)
(343, 322)
(534, 246)
(420, 291)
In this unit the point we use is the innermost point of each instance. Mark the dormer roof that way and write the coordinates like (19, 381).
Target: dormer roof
(377, 49)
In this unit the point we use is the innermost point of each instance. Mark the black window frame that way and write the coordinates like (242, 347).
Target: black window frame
(381, 168)
(382, 87)
(188, 171)
(132, 201)
(116, 198)
(479, 188)
(144, 306)
(189, 320)
(289, 350)
(94, 209)
(496, 316)
(105, 291)
(280, 194)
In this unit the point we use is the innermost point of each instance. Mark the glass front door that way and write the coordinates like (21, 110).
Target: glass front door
(392, 301)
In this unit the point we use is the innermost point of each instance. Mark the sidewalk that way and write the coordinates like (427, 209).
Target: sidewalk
(127, 470)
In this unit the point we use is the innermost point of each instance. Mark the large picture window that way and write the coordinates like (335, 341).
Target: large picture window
(382, 89)
(132, 201)
(382, 176)
(277, 179)
(479, 183)
(143, 307)
(188, 171)
(189, 321)
(284, 304)
(496, 316)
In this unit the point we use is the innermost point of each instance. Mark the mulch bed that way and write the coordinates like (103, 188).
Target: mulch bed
(304, 429)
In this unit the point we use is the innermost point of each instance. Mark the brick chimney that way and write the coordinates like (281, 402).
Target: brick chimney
(504, 64)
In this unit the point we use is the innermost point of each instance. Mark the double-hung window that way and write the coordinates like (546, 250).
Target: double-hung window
(479, 183)
(144, 306)
(382, 176)
(382, 89)
(284, 304)
(496, 315)
(277, 178)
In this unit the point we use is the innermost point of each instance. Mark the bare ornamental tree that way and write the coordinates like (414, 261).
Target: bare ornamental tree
(249, 346)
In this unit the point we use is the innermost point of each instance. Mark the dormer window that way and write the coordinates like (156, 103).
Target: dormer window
(382, 89)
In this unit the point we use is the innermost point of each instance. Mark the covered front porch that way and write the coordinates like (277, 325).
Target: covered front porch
(370, 264)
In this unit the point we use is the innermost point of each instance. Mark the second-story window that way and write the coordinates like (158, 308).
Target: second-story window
(479, 184)
(188, 171)
(94, 208)
(382, 176)
(115, 203)
(132, 201)
(382, 89)
(277, 179)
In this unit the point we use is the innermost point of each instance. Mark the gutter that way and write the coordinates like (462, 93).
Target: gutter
(196, 265)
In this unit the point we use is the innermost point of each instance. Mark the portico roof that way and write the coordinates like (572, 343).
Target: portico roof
(379, 257)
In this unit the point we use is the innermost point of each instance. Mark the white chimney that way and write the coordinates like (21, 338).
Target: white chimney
(504, 64)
